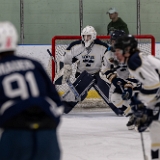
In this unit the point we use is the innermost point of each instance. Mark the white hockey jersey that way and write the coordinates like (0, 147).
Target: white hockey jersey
(90, 59)
(146, 69)
(109, 63)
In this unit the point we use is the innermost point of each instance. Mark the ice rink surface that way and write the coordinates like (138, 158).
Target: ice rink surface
(99, 135)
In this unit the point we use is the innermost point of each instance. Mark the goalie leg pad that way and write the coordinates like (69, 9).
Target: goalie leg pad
(82, 84)
(102, 85)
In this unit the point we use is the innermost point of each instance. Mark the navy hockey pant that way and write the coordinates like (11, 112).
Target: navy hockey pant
(29, 145)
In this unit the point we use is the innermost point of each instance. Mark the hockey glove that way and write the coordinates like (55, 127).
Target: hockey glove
(67, 72)
(118, 82)
(144, 122)
(138, 107)
(143, 115)
(127, 93)
(110, 75)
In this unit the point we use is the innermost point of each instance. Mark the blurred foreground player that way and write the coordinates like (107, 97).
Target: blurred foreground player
(30, 107)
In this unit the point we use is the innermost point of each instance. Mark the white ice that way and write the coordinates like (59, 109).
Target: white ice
(100, 135)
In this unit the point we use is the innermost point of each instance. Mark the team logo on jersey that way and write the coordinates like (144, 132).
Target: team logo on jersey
(88, 60)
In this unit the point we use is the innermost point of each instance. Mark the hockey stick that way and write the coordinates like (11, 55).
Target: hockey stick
(111, 105)
(143, 148)
(81, 15)
(72, 88)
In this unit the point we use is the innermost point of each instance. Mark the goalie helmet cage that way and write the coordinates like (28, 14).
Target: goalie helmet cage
(146, 43)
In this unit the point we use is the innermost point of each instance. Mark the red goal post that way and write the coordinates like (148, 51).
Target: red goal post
(147, 44)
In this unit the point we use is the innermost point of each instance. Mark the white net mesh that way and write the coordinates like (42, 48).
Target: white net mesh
(146, 45)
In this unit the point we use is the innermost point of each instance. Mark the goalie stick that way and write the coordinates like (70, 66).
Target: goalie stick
(72, 88)
(111, 105)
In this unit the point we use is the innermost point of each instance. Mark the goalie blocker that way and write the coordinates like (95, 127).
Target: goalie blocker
(83, 84)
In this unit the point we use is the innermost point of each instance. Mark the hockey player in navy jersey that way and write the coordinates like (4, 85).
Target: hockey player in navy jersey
(145, 105)
(88, 53)
(30, 107)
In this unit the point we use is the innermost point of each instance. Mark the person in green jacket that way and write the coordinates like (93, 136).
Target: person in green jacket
(116, 23)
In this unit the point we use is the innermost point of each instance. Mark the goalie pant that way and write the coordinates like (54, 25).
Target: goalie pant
(146, 69)
(83, 84)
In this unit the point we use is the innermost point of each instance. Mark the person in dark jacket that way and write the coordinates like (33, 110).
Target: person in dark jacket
(116, 23)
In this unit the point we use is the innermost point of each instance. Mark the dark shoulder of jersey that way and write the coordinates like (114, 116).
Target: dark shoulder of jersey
(22, 66)
(134, 61)
(99, 42)
(74, 44)
(29, 85)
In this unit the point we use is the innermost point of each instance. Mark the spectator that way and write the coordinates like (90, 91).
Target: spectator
(30, 107)
(116, 23)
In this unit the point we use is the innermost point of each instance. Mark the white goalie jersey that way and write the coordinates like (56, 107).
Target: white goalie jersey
(89, 59)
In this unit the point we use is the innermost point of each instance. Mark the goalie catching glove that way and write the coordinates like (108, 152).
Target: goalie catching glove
(67, 73)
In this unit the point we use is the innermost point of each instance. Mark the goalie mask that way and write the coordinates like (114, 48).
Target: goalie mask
(8, 37)
(126, 41)
(88, 35)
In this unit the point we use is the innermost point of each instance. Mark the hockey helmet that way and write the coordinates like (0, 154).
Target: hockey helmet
(8, 37)
(126, 41)
(116, 34)
(88, 30)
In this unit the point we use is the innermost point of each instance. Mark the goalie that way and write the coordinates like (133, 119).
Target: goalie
(88, 53)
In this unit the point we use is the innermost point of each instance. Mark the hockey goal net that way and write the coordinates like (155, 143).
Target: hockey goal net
(146, 43)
